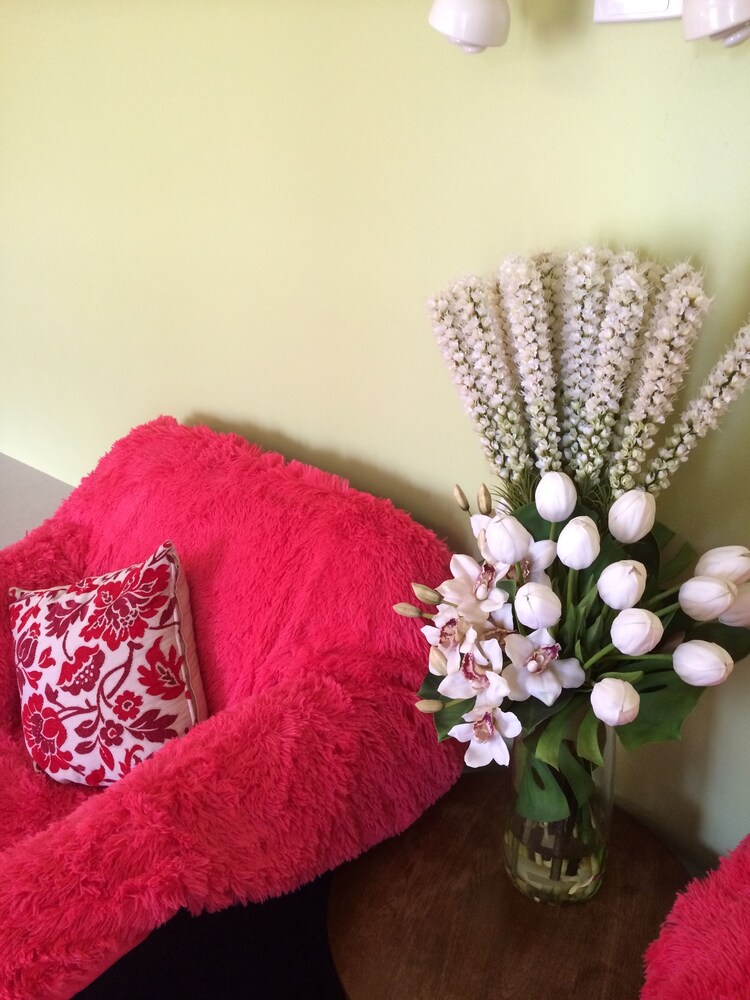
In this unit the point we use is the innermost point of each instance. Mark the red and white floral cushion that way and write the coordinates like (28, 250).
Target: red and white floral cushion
(107, 669)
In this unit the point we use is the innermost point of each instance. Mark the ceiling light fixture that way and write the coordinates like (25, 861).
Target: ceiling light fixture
(726, 21)
(473, 25)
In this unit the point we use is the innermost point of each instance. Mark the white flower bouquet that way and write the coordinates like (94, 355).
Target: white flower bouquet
(577, 613)
(567, 621)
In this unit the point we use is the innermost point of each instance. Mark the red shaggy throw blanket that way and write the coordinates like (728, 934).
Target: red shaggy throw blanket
(313, 751)
(703, 950)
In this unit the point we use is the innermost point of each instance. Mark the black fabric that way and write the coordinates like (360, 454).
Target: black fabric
(277, 950)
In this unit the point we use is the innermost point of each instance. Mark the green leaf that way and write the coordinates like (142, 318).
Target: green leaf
(736, 641)
(509, 586)
(610, 551)
(453, 712)
(666, 701)
(557, 729)
(567, 631)
(532, 712)
(588, 600)
(577, 774)
(632, 677)
(540, 796)
(648, 552)
(595, 633)
(662, 535)
(676, 554)
(429, 687)
(452, 715)
(532, 520)
(590, 738)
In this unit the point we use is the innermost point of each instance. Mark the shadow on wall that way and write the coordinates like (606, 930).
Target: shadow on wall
(668, 779)
(440, 514)
(550, 19)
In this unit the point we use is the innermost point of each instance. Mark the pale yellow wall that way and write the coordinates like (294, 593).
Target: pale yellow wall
(234, 210)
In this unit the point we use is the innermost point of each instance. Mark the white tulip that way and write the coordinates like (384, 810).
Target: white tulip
(731, 562)
(632, 516)
(636, 631)
(705, 598)
(579, 543)
(738, 613)
(506, 540)
(621, 584)
(702, 663)
(537, 606)
(614, 701)
(555, 496)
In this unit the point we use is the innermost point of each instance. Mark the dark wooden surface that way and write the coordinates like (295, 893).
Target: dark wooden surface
(431, 915)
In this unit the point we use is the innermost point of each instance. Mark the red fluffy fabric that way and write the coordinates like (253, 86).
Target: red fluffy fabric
(313, 751)
(703, 950)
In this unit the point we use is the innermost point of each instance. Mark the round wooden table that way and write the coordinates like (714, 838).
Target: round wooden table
(431, 914)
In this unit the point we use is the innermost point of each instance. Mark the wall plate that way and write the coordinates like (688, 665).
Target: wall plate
(636, 10)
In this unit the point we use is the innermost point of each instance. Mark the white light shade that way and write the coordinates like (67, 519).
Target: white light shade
(723, 20)
(472, 24)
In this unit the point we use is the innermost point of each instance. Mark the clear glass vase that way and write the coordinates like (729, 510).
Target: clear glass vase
(559, 860)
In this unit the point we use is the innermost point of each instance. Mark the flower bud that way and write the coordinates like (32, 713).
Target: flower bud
(507, 540)
(578, 544)
(632, 516)
(555, 496)
(738, 613)
(614, 701)
(426, 594)
(731, 562)
(407, 610)
(705, 598)
(537, 606)
(438, 661)
(621, 584)
(702, 663)
(636, 631)
(429, 706)
(484, 500)
(460, 497)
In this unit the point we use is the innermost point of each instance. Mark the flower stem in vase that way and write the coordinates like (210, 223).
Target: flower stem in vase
(558, 825)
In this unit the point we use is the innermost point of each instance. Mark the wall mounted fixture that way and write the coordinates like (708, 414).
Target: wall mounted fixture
(473, 25)
(636, 10)
(726, 21)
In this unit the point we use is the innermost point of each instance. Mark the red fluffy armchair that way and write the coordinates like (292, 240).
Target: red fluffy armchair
(312, 752)
(703, 949)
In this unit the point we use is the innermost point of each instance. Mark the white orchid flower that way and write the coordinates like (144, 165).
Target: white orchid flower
(451, 634)
(474, 681)
(540, 557)
(479, 523)
(500, 625)
(472, 589)
(536, 670)
(488, 654)
(486, 732)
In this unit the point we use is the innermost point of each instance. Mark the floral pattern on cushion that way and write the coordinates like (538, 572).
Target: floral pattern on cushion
(107, 669)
